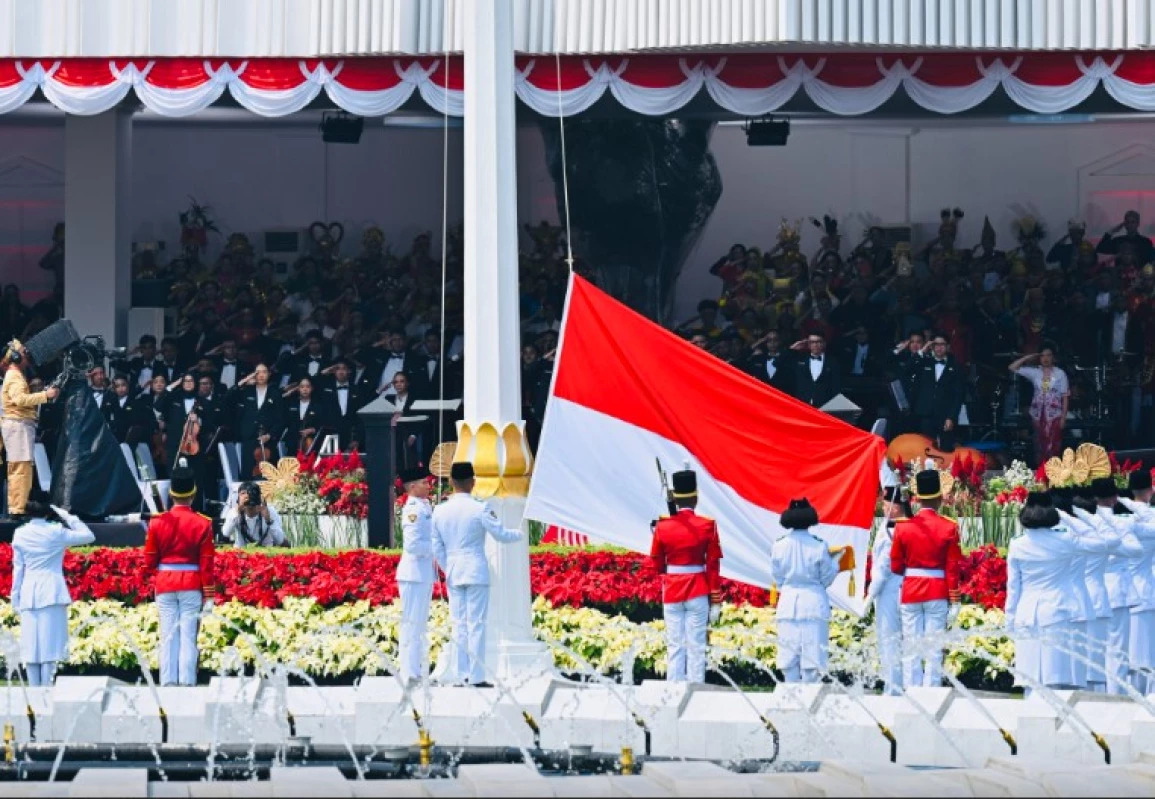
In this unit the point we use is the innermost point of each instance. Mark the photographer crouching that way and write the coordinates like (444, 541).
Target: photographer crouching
(252, 522)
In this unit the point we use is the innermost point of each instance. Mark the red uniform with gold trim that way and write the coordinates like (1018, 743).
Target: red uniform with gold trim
(687, 539)
(927, 542)
(181, 536)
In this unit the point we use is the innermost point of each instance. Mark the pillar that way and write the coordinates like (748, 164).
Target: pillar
(492, 433)
(97, 249)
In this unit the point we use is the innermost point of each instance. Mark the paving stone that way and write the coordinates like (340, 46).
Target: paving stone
(129, 783)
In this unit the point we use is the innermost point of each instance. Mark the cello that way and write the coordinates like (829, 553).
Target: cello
(914, 446)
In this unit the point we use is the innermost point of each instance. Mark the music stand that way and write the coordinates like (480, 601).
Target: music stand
(842, 408)
(380, 449)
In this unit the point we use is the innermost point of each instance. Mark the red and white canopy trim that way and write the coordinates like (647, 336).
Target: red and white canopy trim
(748, 84)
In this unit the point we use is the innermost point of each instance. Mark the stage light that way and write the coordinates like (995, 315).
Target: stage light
(341, 128)
(767, 132)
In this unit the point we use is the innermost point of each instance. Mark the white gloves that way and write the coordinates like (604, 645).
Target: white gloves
(68, 518)
(952, 613)
(715, 613)
(208, 606)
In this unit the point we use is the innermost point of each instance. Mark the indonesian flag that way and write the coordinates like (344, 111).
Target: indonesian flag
(625, 391)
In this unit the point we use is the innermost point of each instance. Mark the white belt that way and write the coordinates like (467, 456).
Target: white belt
(672, 569)
(178, 567)
(925, 573)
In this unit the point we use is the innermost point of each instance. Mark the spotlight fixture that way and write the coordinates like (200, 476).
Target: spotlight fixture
(767, 132)
(341, 128)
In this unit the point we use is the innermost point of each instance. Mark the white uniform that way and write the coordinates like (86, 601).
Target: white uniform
(1141, 644)
(802, 567)
(1122, 596)
(460, 525)
(1098, 628)
(1085, 645)
(415, 578)
(885, 592)
(1041, 607)
(40, 593)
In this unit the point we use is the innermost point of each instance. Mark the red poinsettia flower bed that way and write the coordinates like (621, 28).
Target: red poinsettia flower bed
(590, 578)
(983, 578)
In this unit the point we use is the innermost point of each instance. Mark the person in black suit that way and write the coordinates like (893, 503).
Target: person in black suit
(863, 366)
(344, 399)
(378, 376)
(139, 369)
(168, 364)
(308, 416)
(769, 364)
(129, 418)
(180, 407)
(937, 394)
(411, 436)
(816, 378)
(257, 412)
(425, 362)
(313, 361)
(229, 367)
(98, 384)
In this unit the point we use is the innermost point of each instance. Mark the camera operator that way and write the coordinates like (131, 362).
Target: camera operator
(252, 521)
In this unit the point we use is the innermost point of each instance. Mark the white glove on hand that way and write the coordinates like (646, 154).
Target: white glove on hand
(715, 614)
(952, 613)
(1133, 506)
(208, 606)
(65, 516)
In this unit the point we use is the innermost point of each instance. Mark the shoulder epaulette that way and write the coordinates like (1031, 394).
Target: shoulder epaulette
(210, 518)
(707, 518)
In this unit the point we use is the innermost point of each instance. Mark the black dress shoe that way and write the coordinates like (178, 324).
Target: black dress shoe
(481, 685)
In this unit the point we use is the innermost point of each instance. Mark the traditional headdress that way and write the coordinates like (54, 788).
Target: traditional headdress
(828, 225)
(950, 218)
(788, 232)
(1029, 229)
(183, 483)
(413, 475)
(1076, 224)
(988, 228)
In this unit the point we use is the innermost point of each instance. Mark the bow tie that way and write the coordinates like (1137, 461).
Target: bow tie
(342, 388)
(228, 363)
(395, 355)
(314, 357)
(816, 357)
(939, 363)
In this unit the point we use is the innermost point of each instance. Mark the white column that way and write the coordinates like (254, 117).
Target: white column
(492, 318)
(97, 193)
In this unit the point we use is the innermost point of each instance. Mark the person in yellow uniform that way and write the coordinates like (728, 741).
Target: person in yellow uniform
(18, 426)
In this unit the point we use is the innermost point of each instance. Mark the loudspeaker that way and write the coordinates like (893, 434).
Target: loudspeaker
(47, 345)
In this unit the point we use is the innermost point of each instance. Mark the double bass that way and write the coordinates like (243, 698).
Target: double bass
(915, 446)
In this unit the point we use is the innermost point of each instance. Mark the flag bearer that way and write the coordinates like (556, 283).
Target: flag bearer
(415, 572)
(688, 555)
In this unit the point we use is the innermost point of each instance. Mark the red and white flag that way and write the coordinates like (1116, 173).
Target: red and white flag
(626, 391)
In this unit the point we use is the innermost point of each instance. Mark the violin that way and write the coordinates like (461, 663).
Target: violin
(262, 452)
(190, 438)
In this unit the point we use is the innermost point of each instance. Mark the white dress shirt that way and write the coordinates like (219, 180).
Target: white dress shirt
(255, 531)
(394, 365)
(939, 368)
(304, 409)
(815, 366)
(860, 359)
(342, 392)
(262, 392)
(229, 374)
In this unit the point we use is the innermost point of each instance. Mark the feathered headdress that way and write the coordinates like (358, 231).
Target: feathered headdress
(828, 225)
(1029, 229)
(950, 217)
(788, 231)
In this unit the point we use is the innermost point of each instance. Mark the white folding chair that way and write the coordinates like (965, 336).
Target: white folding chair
(43, 467)
(130, 459)
(230, 454)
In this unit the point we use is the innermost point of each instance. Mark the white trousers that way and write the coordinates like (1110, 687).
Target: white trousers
(468, 606)
(888, 631)
(686, 639)
(922, 622)
(179, 619)
(803, 649)
(415, 601)
(40, 673)
(1118, 644)
(1096, 644)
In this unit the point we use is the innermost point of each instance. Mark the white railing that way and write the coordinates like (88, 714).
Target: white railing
(305, 28)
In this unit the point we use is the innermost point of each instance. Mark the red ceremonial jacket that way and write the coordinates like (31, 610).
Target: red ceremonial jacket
(928, 541)
(181, 536)
(687, 539)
